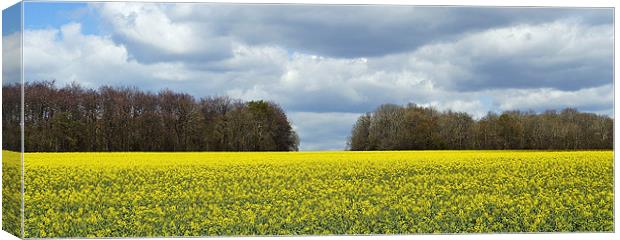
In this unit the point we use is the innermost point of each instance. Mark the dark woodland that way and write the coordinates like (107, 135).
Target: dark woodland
(76, 119)
(412, 127)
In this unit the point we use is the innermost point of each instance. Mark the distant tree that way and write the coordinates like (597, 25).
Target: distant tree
(359, 141)
(510, 130)
(456, 130)
(392, 127)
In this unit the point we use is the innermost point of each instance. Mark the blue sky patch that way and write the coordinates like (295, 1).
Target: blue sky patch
(11, 18)
(52, 15)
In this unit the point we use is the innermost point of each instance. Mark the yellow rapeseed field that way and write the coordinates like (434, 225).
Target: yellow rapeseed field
(393, 192)
(11, 192)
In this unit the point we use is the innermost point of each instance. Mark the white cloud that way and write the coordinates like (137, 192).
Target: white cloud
(587, 99)
(67, 55)
(548, 43)
(147, 24)
(153, 36)
(11, 58)
(475, 108)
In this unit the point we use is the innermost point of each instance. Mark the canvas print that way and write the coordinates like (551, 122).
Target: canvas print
(139, 119)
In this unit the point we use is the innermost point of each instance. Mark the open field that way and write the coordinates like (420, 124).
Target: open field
(195, 194)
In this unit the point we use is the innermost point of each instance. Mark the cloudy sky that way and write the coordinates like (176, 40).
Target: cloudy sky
(325, 65)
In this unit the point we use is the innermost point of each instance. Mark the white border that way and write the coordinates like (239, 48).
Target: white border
(528, 3)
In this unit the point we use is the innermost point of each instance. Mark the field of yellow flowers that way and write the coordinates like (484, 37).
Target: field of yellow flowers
(11, 192)
(397, 192)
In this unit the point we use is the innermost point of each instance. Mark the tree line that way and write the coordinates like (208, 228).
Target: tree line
(73, 118)
(413, 127)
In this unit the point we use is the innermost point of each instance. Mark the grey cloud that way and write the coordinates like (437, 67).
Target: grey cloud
(366, 31)
(563, 54)
(329, 30)
(514, 73)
